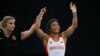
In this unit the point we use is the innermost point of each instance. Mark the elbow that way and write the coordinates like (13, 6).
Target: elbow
(75, 25)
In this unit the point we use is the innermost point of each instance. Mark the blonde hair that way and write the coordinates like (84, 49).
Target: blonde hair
(3, 23)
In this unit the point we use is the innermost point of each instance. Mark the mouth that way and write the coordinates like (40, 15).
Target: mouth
(12, 28)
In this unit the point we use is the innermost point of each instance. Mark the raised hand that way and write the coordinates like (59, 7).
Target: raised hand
(43, 11)
(73, 7)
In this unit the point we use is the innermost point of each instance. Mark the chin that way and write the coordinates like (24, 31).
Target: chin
(11, 29)
(56, 32)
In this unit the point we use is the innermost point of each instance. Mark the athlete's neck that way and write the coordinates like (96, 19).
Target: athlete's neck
(55, 37)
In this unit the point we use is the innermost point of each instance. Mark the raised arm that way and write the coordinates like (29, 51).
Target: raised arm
(74, 23)
(27, 33)
(39, 31)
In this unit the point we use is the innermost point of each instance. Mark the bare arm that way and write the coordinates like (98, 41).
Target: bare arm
(39, 31)
(27, 33)
(73, 26)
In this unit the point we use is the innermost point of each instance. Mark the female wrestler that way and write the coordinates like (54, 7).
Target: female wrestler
(55, 41)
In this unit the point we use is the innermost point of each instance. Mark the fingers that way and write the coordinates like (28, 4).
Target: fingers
(44, 9)
(71, 4)
(73, 7)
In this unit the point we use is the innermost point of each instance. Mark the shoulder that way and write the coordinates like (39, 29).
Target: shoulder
(63, 37)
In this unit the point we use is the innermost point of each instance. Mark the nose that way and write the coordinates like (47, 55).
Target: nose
(57, 26)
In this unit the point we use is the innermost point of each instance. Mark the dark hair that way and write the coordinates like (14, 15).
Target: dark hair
(49, 24)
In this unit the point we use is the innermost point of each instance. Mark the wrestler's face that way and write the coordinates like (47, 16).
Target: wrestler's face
(10, 24)
(55, 27)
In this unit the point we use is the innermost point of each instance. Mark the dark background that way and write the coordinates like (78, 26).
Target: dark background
(81, 43)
